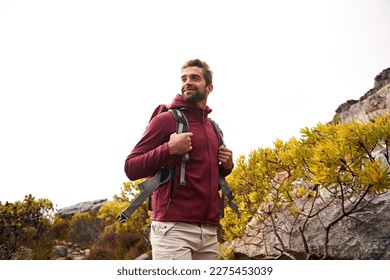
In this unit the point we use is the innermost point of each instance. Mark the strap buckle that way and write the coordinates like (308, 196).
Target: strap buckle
(122, 218)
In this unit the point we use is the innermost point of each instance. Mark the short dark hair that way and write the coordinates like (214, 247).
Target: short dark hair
(207, 73)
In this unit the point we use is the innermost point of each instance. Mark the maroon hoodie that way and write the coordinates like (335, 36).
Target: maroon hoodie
(198, 201)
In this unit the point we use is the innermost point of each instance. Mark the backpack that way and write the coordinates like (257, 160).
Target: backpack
(162, 176)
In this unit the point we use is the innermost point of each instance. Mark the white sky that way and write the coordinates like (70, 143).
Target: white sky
(79, 79)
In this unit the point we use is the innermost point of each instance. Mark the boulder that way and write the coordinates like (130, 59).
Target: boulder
(93, 205)
(59, 251)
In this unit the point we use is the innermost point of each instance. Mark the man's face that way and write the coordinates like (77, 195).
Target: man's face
(194, 89)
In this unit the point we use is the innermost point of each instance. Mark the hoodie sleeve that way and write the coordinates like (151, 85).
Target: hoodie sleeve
(151, 152)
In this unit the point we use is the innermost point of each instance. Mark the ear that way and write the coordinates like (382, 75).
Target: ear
(209, 88)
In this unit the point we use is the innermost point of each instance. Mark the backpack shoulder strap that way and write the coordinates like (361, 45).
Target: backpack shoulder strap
(147, 187)
(180, 119)
(223, 184)
(181, 127)
(218, 132)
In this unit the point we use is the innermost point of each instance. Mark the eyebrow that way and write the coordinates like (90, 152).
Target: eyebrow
(192, 76)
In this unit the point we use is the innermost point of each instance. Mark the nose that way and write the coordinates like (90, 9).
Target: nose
(186, 82)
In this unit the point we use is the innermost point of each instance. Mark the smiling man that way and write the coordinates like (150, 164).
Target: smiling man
(184, 218)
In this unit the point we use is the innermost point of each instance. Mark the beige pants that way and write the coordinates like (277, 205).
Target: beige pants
(183, 241)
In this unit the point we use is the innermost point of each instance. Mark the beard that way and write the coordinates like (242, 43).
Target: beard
(194, 98)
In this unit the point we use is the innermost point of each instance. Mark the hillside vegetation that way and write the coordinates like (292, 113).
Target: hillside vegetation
(343, 163)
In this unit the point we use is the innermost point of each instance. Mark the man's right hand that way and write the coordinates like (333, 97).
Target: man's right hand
(180, 144)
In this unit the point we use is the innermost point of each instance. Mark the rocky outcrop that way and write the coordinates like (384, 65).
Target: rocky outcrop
(374, 103)
(382, 78)
(93, 205)
(363, 235)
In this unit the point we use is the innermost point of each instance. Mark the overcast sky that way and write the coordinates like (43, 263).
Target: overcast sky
(79, 79)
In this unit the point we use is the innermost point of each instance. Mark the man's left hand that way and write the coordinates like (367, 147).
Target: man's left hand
(225, 157)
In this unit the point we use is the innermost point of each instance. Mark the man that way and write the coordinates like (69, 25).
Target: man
(184, 218)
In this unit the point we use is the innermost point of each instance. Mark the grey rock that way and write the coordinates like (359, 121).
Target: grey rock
(363, 236)
(383, 78)
(59, 251)
(93, 205)
(374, 103)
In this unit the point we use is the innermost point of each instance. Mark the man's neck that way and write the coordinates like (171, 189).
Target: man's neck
(201, 105)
